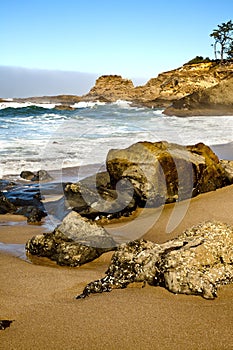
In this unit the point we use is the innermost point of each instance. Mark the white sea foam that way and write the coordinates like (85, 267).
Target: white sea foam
(83, 104)
(11, 104)
(33, 140)
(123, 103)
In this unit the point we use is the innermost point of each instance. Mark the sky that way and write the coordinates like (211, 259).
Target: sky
(132, 38)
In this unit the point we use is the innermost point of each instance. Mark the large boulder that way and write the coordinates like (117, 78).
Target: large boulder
(197, 262)
(163, 172)
(75, 242)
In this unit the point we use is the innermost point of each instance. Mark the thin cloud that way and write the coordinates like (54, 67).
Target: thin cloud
(24, 82)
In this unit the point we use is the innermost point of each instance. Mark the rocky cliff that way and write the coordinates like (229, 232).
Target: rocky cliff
(217, 100)
(163, 90)
(111, 88)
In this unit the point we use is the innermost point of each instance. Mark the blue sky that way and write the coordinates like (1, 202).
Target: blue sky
(127, 37)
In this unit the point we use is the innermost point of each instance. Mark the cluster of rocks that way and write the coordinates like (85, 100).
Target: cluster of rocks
(147, 174)
(170, 89)
(197, 262)
(143, 175)
(41, 175)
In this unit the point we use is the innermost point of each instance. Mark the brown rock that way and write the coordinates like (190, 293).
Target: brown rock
(165, 88)
(217, 100)
(163, 172)
(111, 88)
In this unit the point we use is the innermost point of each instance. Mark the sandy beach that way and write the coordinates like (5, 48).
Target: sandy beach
(40, 296)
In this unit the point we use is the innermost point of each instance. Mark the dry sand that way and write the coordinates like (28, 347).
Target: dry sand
(39, 297)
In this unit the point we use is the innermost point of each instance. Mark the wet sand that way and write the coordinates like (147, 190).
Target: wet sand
(40, 296)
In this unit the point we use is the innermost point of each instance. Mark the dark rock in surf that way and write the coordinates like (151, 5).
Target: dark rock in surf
(75, 242)
(34, 215)
(5, 205)
(23, 200)
(27, 195)
(27, 175)
(197, 262)
(6, 185)
(42, 175)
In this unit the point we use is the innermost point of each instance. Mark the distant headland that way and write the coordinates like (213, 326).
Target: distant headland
(204, 88)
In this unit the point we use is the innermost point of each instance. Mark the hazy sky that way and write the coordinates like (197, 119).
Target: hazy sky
(127, 37)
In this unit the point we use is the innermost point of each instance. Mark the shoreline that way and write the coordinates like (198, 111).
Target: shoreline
(71, 173)
(40, 295)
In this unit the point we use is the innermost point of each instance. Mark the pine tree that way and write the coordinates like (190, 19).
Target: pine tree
(223, 36)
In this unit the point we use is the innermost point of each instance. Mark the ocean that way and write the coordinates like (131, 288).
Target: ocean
(34, 137)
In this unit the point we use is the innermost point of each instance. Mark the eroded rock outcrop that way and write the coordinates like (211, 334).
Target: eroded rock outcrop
(197, 262)
(165, 88)
(217, 100)
(75, 242)
(180, 82)
(110, 88)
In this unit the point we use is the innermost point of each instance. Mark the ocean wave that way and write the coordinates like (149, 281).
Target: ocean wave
(32, 138)
(89, 104)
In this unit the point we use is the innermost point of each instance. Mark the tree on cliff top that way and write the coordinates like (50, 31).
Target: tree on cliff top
(223, 36)
(230, 51)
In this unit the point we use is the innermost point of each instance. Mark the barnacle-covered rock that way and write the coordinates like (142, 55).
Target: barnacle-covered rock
(75, 242)
(196, 262)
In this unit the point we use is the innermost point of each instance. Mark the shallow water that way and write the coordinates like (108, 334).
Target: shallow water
(17, 250)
